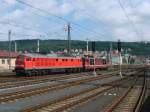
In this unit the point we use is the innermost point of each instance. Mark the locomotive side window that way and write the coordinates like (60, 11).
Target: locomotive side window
(71, 59)
(8, 61)
(21, 58)
(56, 59)
(87, 60)
(91, 61)
(104, 61)
(28, 59)
(3, 61)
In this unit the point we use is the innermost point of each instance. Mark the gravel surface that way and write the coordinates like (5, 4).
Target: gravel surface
(34, 100)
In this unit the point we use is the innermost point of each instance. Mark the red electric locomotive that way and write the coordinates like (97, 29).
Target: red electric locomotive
(40, 64)
(35, 64)
(89, 63)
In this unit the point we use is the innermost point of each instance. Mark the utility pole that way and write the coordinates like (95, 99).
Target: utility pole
(15, 46)
(69, 39)
(38, 45)
(87, 46)
(9, 39)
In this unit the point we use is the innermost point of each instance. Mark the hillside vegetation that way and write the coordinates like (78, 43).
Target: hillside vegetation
(135, 48)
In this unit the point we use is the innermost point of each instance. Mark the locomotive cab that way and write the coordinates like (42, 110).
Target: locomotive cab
(19, 68)
(22, 62)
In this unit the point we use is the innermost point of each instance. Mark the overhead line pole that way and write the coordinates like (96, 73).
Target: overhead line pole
(69, 39)
(15, 46)
(9, 58)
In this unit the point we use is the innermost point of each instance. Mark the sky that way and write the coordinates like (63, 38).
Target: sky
(100, 20)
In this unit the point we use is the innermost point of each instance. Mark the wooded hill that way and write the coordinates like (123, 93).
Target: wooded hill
(135, 48)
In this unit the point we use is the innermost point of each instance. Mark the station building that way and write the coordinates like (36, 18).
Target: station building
(7, 60)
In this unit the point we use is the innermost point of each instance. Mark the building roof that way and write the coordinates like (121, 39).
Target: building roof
(5, 54)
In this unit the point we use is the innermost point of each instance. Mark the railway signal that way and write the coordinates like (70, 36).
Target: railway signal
(120, 57)
(119, 46)
(93, 46)
(38, 44)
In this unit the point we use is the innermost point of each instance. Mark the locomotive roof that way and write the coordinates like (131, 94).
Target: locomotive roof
(36, 55)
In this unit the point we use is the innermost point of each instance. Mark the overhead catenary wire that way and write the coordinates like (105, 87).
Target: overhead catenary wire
(133, 7)
(25, 28)
(56, 34)
(17, 34)
(15, 25)
(128, 18)
(48, 18)
(61, 18)
(41, 10)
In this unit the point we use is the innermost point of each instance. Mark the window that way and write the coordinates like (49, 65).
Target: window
(66, 59)
(21, 58)
(3, 61)
(56, 59)
(91, 61)
(71, 59)
(8, 61)
(62, 59)
(28, 59)
(87, 60)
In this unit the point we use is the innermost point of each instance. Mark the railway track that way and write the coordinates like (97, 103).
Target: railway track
(36, 81)
(14, 78)
(65, 103)
(39, 79)
(131, 100)
(14, 96)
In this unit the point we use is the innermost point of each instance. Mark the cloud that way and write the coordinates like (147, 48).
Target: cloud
(119, 25)
(104, 17)
(10, 2)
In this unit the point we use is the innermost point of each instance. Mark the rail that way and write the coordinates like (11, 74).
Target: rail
(142, 96)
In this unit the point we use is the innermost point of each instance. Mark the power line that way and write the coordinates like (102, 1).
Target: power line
(61, 18)
(41, 10)
(17, 34)
(128, 18)
(28, 35)
(18, 26)
(133, 8)
(45, 17)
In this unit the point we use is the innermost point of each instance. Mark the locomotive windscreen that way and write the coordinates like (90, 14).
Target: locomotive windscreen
(91, 61)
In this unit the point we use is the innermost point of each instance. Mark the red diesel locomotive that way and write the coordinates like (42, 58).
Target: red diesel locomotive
(40, 64)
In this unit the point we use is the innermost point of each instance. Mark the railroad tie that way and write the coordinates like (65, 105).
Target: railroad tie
(128, 104)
